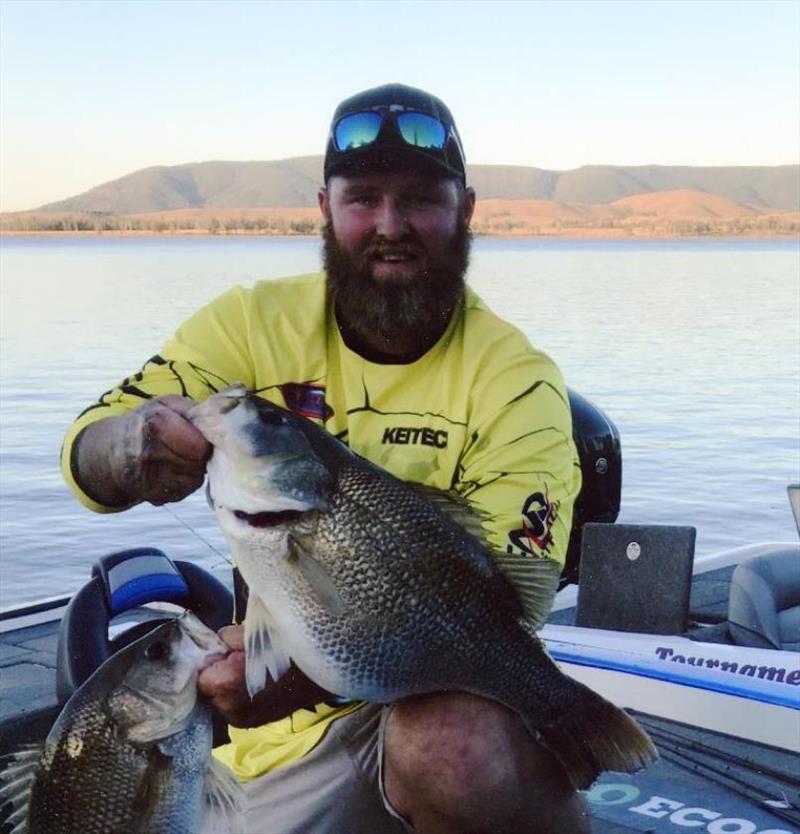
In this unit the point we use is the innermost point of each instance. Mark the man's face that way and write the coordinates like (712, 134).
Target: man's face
(396, 250)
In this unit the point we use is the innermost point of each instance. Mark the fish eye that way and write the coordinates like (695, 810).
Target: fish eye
(157, 650)
(271, 418)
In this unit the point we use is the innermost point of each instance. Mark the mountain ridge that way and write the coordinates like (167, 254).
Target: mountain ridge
(676, 213)
(293, 183)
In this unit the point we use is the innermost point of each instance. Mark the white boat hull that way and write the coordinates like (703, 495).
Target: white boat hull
(752, 694)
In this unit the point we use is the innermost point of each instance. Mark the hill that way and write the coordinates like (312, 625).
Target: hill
(662, 213)
(655, 214)
(683, 203)
(293, 183)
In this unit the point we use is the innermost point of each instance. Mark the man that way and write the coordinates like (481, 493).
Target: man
(395, 356)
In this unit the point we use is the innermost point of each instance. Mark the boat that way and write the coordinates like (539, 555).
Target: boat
(704, 653)
(720, 702)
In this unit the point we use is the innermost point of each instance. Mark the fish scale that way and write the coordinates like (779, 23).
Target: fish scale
(417, 561)
(378, 592)
(109, 772)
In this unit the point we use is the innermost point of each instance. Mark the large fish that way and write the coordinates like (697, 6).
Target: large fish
(377, 592)
(130, 752)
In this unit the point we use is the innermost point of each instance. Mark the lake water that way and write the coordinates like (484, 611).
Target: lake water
(690, 346)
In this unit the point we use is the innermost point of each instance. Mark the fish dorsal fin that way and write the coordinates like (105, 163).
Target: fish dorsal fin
(224, 799)
(535, 580)
(457, 508)
(317, 575)
(17, 773)
(263, 648)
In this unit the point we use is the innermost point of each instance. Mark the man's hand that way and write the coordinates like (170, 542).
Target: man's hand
(223, 684)
(152, 453)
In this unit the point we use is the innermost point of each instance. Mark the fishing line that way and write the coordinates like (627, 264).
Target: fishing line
(226, 559)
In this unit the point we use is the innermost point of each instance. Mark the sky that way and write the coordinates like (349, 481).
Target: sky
(92, 91)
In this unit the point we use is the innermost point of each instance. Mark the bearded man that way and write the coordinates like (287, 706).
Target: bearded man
(395, 356)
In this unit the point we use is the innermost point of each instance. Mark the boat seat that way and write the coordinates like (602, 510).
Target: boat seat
(764, 603)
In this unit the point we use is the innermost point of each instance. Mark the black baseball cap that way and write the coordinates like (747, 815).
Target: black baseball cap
(394, 127)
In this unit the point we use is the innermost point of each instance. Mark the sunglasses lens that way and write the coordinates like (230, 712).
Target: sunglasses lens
(422, 131)
(357, 130)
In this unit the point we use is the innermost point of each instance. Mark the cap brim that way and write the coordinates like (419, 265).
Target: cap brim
(398, 160)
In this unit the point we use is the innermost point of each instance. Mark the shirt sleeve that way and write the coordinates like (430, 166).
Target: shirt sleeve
(520, 468)
(208, 352)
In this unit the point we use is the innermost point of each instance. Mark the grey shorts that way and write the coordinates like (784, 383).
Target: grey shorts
(337, 788)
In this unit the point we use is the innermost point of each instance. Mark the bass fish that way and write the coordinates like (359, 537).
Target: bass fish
(131, 750)
(377, 592)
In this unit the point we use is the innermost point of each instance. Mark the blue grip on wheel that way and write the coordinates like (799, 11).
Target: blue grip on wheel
(150, 577)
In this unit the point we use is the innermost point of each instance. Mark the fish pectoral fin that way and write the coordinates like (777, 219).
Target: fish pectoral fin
(153, 789)
(317, 575)
(146, 732)
(171, 746)
(536, 581)
(224, 800)
(263, 649)
(165, 725)
(17, 773)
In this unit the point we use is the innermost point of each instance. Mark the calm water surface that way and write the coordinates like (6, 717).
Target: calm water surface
(691, 347)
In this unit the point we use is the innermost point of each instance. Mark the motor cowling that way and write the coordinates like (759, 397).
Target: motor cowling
(600, 454)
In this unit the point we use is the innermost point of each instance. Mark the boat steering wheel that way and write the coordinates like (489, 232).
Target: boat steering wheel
(121, 582)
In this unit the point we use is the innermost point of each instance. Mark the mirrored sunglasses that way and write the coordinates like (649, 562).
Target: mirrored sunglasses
(359, 130)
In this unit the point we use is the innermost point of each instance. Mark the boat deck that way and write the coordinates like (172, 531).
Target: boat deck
(27, 683)
(704, 780)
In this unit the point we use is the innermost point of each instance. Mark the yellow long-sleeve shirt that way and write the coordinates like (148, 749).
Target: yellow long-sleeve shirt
(482, 413)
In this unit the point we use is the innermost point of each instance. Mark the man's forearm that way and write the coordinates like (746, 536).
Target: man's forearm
(280, 698)
(152, 453)
(103, 455)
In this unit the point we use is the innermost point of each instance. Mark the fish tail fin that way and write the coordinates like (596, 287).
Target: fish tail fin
(595, 736)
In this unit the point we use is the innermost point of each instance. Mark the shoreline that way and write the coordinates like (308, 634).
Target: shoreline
(588, 234)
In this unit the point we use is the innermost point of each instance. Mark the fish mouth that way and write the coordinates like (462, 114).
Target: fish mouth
(214, 658)
(211, 645)
(269, 519)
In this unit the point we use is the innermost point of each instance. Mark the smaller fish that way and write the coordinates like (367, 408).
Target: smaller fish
(131, 750)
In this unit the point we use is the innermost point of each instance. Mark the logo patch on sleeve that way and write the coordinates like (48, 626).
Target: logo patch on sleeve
(535, 536)
(306, 400)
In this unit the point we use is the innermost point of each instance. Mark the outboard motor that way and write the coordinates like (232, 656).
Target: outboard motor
(600, 456)
(122, 582)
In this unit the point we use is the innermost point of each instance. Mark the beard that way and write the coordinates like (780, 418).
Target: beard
(402, 316)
